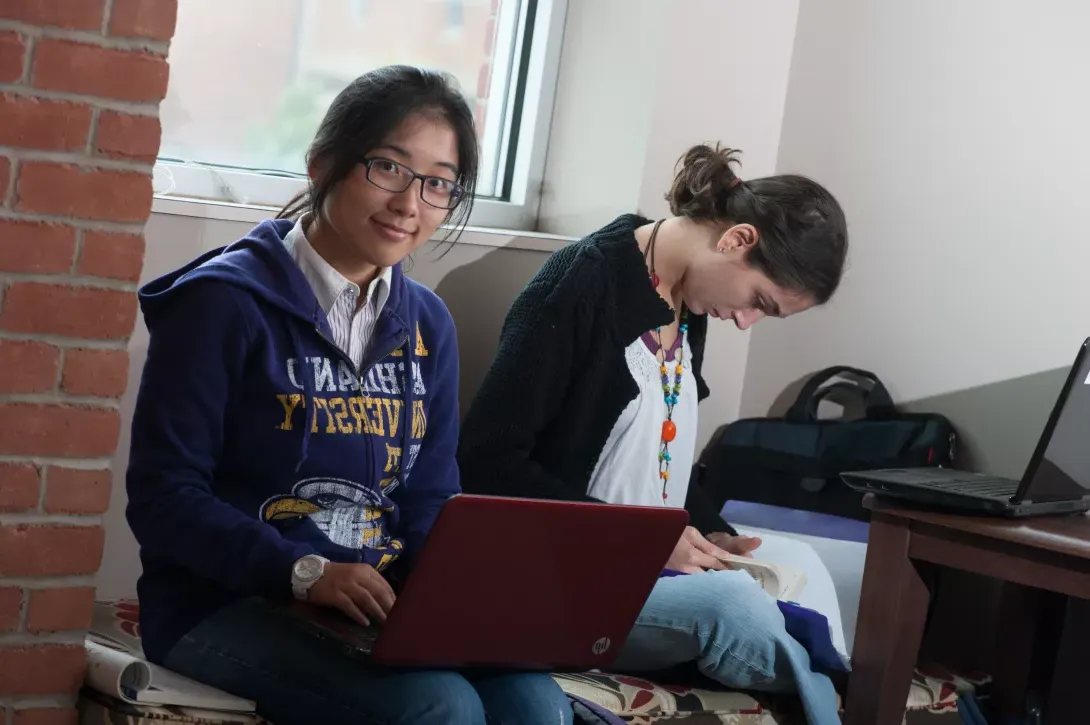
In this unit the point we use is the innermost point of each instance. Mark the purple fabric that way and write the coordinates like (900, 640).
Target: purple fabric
(594, 714)
(778, 518)
(652, 343)
(811, 630)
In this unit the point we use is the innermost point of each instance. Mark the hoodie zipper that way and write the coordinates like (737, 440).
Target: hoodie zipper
(371, 363)
(368, 364)
(344, 356)
(362, 381)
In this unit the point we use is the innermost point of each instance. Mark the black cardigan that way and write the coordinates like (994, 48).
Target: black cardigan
(560, 381)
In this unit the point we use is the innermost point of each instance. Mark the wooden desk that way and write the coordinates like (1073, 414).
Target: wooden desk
(1038, 555)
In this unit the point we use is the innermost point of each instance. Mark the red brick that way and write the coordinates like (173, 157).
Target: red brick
(115, 256)
(489, 38)
(126, 136)
(480, 110)
(37, 123)
(31, 429)
(36, 248)
(11, 606)
(484, 77)
(76, 491)
(18, 486)
(56, 309)
(46, 716)
(100, 373)
(49, 550)
(29, 367)
(66, 190)
(124, 75)
(5, 177)
(144, 18)
(45, 669)
(79, 15)
(57, 610)
(12, 53)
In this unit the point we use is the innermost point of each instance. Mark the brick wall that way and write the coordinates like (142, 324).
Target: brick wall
(80, 86)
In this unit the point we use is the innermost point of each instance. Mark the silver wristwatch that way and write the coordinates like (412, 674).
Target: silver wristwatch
(305, 572)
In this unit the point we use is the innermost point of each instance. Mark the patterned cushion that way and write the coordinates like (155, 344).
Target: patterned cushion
(637, 700)
(633, 699)
(936, 689)
(117, 623)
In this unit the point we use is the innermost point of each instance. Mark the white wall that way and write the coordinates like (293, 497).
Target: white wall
(955, 136)
(641, 82)
(609, 67)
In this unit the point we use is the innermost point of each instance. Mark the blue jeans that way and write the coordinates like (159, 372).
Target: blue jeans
(726, 624)
(250, 649)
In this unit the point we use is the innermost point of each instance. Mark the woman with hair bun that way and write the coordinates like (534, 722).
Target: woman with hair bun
(593, 397)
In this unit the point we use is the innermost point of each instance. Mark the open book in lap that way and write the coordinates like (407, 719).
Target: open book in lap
(820, 593)
(781, 581)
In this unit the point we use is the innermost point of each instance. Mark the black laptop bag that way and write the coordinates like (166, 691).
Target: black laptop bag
(795, 461)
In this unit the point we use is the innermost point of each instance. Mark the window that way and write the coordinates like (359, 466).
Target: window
(455, 16)
(251, 79)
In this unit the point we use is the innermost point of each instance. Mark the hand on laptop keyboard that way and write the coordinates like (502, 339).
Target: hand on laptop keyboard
(358, 590)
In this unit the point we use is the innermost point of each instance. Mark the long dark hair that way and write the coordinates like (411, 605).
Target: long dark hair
(368, 111)
(802, 233)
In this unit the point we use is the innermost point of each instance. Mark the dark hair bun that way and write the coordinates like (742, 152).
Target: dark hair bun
(702, 182)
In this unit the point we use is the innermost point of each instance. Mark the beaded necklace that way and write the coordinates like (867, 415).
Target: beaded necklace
(669, 393)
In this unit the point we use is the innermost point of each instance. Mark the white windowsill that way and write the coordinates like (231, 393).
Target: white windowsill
(252, 214)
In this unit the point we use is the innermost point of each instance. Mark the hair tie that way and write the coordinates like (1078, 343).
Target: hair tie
(734, 182)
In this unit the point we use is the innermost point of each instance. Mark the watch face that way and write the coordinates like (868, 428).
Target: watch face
(308, 569)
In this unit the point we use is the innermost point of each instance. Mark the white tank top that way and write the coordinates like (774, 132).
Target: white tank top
(627, 471)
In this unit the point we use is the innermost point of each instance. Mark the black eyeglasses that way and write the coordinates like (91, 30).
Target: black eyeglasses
(434, 190)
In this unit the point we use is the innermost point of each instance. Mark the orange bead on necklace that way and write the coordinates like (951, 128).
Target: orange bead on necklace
(670, 392)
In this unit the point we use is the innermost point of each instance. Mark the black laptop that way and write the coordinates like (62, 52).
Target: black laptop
(1057, 479)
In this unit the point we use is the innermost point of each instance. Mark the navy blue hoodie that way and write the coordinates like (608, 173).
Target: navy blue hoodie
(255, 440)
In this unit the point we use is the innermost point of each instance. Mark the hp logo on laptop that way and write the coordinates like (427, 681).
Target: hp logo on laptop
(601, 646)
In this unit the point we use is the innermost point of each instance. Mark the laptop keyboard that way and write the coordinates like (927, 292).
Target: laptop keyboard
(949, 481)
(995, 487)
(973, 484)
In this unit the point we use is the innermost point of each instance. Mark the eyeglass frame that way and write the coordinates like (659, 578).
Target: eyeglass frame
(458, 191)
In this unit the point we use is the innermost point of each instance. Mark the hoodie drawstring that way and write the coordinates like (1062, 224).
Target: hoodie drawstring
(308, 394)
(407, 398)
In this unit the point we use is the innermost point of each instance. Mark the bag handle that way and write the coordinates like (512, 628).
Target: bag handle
(844, 386)
(877, 402)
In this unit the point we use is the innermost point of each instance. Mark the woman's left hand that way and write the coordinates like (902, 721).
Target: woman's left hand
(737, 545)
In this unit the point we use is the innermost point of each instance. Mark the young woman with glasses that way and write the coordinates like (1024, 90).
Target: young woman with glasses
(593, 396)
(296, 426)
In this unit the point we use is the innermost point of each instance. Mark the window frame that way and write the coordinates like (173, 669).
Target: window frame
(242, 194)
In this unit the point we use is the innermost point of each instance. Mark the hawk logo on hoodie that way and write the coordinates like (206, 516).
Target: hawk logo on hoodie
(348, 513)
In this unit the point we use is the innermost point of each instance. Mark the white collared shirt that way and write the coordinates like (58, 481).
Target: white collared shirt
(352, 322)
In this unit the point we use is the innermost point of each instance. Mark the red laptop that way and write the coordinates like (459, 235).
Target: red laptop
(520, 583)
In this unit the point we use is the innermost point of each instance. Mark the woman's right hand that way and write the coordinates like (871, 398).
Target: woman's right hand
(358, 590)
(693, 554)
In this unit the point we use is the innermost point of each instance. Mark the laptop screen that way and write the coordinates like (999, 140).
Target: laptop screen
(1063, 472)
